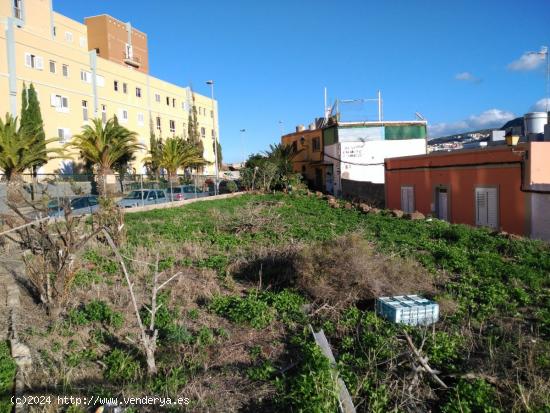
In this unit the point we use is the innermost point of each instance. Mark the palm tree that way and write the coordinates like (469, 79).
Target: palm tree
(178, 153)
(104, 145)
(20, 150)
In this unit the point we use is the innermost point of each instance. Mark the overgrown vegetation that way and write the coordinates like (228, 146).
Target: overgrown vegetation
(259, 269)
(7, 376)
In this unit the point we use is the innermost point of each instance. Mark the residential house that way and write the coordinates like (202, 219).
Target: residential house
(309, 159)
(501, 187)
(354, 154)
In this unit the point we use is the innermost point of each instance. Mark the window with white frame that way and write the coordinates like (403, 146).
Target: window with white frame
(167, 100)
(34, 61)
(407, 199)
(212, 114)
(100, 80)
(158, 123)
(213, 135)
(64, 134)
(140, 119)
(85, 76)
(69, 37)
(203, 133)
(85, 110)
(173, 102)
(61, 103)
(115, 85)
(53, 68)
(172, 126)
(65, 70)
(123, 115)
(18, 9)
(138, 92)
(82, 41)
(487, 207)
(157, 97)
(104, 113)
(129, 51)
(124, 88)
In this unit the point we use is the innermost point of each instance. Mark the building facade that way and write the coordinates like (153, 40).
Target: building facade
(99, 69)
(500, 187)
(309, 160)
(354, 153)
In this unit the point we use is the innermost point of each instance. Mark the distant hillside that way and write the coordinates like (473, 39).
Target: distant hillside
(462, 137)
(513, 123)
(478, 135)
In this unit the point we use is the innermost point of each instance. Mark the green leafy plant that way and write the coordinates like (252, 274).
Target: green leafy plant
(471, 397)
(121, 366)
(8, 369)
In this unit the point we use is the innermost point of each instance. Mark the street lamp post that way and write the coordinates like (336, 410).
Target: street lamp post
(211, 83)
(242, 145)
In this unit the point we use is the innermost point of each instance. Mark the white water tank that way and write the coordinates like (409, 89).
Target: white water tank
(312, 126)
(300, 128)
(534, 122)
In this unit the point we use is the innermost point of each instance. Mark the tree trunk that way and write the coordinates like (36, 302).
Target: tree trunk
(151, 364)
(14, 189)
(101, 179)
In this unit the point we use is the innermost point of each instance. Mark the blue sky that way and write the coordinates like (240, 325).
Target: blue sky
(458, 63)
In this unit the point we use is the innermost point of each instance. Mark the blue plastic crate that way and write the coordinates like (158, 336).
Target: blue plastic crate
(408, 309)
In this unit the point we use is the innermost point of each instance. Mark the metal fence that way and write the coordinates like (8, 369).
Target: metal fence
(55, 188)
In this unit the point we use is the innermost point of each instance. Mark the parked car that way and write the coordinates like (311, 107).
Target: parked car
(179, 193)
(79, 205)
(143, 197)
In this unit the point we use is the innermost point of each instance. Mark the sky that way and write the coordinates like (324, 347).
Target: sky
(462, 65)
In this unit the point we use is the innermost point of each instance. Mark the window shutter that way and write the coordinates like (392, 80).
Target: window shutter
(492, 208)
(28, 60)
(487, 207)
(481, 207)
(407, 199)
(53, 100)
(39, 63)
(67, 134)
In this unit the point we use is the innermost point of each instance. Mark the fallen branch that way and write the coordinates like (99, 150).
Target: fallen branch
(423, 362)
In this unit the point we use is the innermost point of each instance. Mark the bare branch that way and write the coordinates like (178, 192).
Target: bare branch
(168, 280)
(423, 361)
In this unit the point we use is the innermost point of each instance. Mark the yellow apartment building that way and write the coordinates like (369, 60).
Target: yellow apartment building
(97, 69)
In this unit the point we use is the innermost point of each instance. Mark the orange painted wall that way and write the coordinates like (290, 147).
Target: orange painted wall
(473, 170)
(109, 35)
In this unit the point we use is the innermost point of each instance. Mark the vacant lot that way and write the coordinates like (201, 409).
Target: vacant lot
(258, 269)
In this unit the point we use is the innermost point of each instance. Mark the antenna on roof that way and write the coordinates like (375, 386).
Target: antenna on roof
(419, 116)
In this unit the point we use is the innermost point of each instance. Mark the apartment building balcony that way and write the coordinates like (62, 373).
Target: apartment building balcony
(133, 61)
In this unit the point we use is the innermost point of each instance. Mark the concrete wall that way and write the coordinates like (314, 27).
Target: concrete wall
(540, 216)
(368, 192)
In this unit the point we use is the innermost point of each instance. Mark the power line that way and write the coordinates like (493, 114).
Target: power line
(354, 163)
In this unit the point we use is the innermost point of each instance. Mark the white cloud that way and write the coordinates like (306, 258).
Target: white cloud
(529, 61)
(540, 105)
(492, 118)
(467, 77)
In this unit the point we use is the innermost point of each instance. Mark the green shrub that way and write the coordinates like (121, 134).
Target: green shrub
(121, 367)
(249, 310)
(313, 387)
(8, 369)
(96, 311)
(471, 397)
